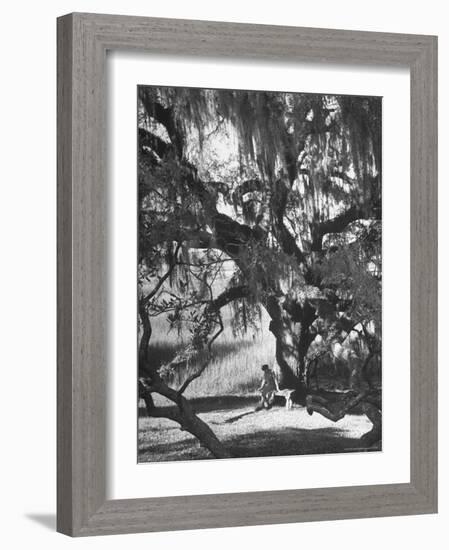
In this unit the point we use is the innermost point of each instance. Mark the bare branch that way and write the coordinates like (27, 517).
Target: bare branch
(193, 376)
(228, 296)
(145, 392)
(146, 336)
(200, 371)
(162, 279)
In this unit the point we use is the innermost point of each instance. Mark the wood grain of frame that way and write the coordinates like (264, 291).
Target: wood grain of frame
(83, 40)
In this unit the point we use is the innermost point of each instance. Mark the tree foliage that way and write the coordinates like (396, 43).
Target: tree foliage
(261, 200)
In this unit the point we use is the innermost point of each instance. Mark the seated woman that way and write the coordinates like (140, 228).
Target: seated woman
(267, 389)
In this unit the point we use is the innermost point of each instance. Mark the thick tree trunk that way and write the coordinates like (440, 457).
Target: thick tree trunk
(194, 425)
(287, 357)
(375, 416)
(183, 414)
(293, 340)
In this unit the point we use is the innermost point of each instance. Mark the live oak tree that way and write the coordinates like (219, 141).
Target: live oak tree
(285, 191)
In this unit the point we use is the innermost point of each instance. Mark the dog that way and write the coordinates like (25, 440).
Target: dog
(287, 394)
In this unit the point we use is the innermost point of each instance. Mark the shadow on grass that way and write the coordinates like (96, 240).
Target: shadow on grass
(261, 443)
(187, 448)
(228, 402)
(294, 441)
(215, 403)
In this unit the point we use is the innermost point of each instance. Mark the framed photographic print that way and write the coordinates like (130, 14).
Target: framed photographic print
(246, 274)
(237, 317)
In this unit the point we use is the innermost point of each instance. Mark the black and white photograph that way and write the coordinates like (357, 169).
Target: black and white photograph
(259, 273)
(220, 298)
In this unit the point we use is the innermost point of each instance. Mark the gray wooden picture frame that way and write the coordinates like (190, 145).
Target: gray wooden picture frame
(83, 40)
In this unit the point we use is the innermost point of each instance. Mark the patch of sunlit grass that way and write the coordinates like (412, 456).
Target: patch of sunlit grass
(234, 368)
(266, 433)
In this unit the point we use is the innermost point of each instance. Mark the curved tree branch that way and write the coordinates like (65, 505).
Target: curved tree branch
(334, 225)
(183, 415)
(367, 401)
(145, 299)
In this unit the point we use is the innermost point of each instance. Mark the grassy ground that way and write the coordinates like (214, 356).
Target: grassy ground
(226, 391)
(235, 368)
(266, 433)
